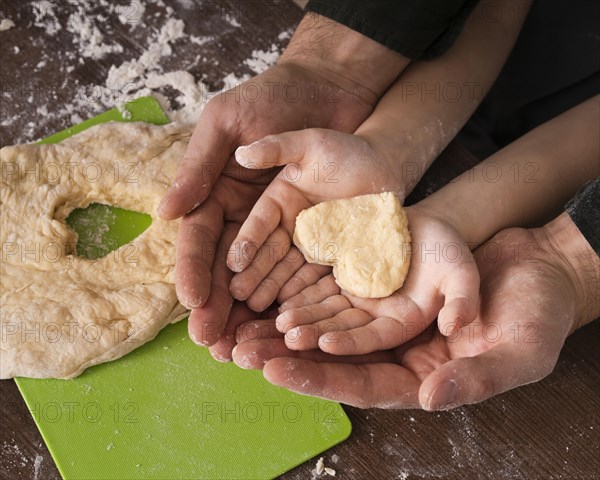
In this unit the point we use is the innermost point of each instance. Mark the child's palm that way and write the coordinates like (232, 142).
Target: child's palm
(443, 282)
(320, 165)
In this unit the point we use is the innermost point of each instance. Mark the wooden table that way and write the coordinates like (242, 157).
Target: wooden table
(548, 430)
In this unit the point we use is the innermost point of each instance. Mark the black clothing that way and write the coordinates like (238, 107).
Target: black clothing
(417, 29)
(554, 66)
(584, 210)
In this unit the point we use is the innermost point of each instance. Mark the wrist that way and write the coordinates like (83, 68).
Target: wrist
(395, 148)
(344, 57)
(450, 212)
(573, 254)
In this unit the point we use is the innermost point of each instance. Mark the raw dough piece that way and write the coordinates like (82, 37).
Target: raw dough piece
(61, 313)
(365, 238)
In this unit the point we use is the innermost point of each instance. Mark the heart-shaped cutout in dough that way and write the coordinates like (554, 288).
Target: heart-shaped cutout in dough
(366, 240)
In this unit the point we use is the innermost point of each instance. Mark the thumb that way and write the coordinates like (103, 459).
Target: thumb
(474, 379)
(461, 303)
(207, 153)
(274, 150)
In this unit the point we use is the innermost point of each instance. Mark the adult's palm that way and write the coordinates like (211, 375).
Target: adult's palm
(528, 306)
(211, 188)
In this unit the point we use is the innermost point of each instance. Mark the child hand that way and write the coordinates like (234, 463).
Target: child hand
(318, 165)
(442, 282)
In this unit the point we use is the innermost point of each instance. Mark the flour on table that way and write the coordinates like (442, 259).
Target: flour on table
(231, 20)
(131, 14)
(45, 17)
(262, 59)
(88, 37)
(143, 73)
(6, 24)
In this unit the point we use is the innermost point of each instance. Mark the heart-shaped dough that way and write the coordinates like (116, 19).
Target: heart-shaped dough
(365, 239)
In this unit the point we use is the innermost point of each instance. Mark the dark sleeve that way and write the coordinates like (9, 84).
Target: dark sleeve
(414, 28)
(584, 210)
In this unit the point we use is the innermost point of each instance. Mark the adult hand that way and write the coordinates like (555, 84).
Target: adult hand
(319, 165)
(306, 89)
(537, 287)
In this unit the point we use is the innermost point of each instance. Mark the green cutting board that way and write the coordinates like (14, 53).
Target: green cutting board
(168, 410)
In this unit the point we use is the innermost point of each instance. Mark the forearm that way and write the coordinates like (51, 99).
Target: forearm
(526, 182)
(431, 101)
(346, 57)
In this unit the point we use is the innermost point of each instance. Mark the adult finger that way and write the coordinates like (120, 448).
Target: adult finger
(373, 385)
(211, 145)
(206, 324)
(256, 330)
(195, 250)
(239, 315)
(474, 379)
(255, 353)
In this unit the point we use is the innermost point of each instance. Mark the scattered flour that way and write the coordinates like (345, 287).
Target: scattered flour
(232, 21)
(37, 463)
(6, 24)
(321, 470)
(132, 73)
(286, 34)
(261, 59)
(87, 35)
(139, 74)
(131, 14)
(45, 17)
(193, 94)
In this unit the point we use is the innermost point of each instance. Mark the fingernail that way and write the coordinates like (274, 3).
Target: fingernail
(220, 358)
(444, 396)
(190, 300)
(248, 361)
(293, 334)
(163, 203)
(241, 155)
(282, 322)
(198, 341)
(187, 291)
(283, 307)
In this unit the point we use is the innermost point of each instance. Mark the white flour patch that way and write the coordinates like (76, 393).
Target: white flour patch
(6, 24)
(45, 17)
(232, 21)
(131, 14)
(262, 59)
(87, 36)
(86, 26)
(36, 466)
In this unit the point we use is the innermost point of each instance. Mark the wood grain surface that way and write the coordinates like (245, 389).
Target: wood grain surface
(548, 430)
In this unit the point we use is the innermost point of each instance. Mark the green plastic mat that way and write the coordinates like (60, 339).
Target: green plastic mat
(168, 410)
